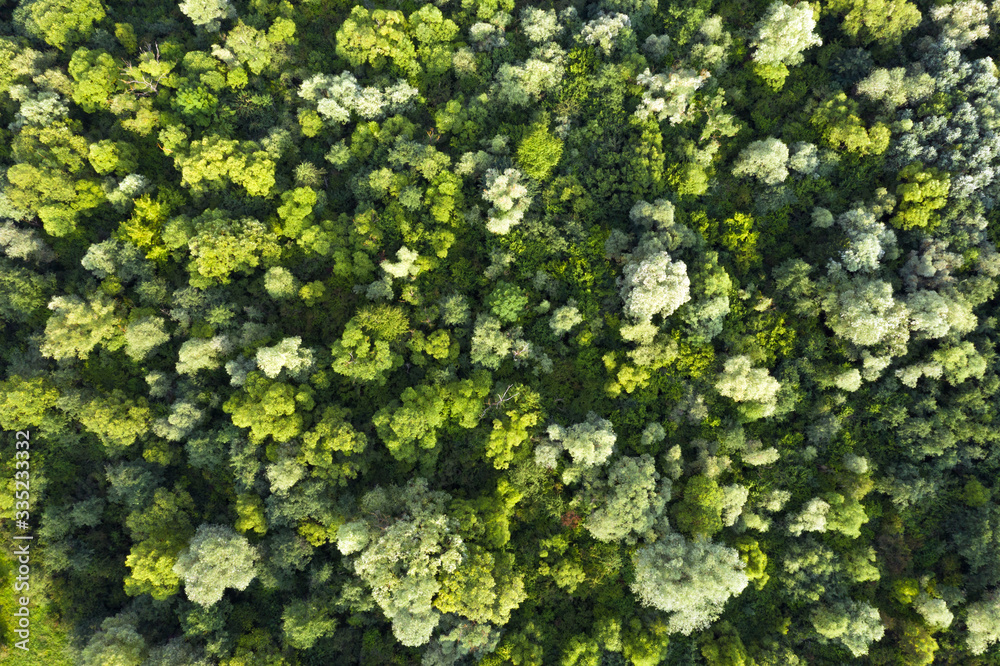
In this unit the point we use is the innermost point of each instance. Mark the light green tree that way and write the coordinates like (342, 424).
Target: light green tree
(207, 14)
(77, 326)
(216, 558)
(692, 580)
(399, 545)
(60, 23)
(856, 625)
(631, 501)
(144, 335)
(765, 160)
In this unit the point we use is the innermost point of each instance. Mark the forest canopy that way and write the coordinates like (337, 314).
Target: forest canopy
(589, 333)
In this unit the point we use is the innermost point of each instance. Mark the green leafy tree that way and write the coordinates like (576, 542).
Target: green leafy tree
(222, 246)
(60, 23)
(117, 643)
(507, 301)
(305, 621)
(96, 75)
(364, 351)
(921, 193)
(856, 625)
(25, 402)
(485, 588)
(880, 21)
(376, 37)
(699, 513)
(269, 408)
(539, 152)
(435, 37)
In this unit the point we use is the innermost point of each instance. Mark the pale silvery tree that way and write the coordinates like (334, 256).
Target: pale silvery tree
(668, 96)
(399, 544)
(962, 22)
(337, 96)
(983, 623)
(652, 283)
(539, 25)
(692, 580)
(765, 160)
(783, 33)
(607, 31)
(207, 14)
(509, 197)
(287, 355)
(217, 557)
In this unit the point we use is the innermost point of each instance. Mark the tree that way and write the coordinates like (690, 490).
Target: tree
(920, 193)
(96, 76)
(401, 541)
(856, 625)
(743, 383)
(963, 22)
(983, 623)
(485, 588)
(507, 301)
(60, 23)
(216, 558)
(144, 335)
(539, 25)
(765, 160)
(863, 311)
(377, 37)
(152, 568)
(207, 14)
(77, 326)
(269, 408)
(630, 502)
(783, 33)
(699, 513)
(118, 643)
(116, 419)
(539, 152)
(286, 355)
(692, 580)
(520, 85)
(839, 124)
(305, 621)
(364, 351)
(415, 423)
(589, 443)
(24, 403)
(564, 319)
(222, 246)
(609, 32)
(490, 344)
(882, 21)
(327, 448)
(652, 283)
(509, 197)
(435, 39)
(668, 96)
